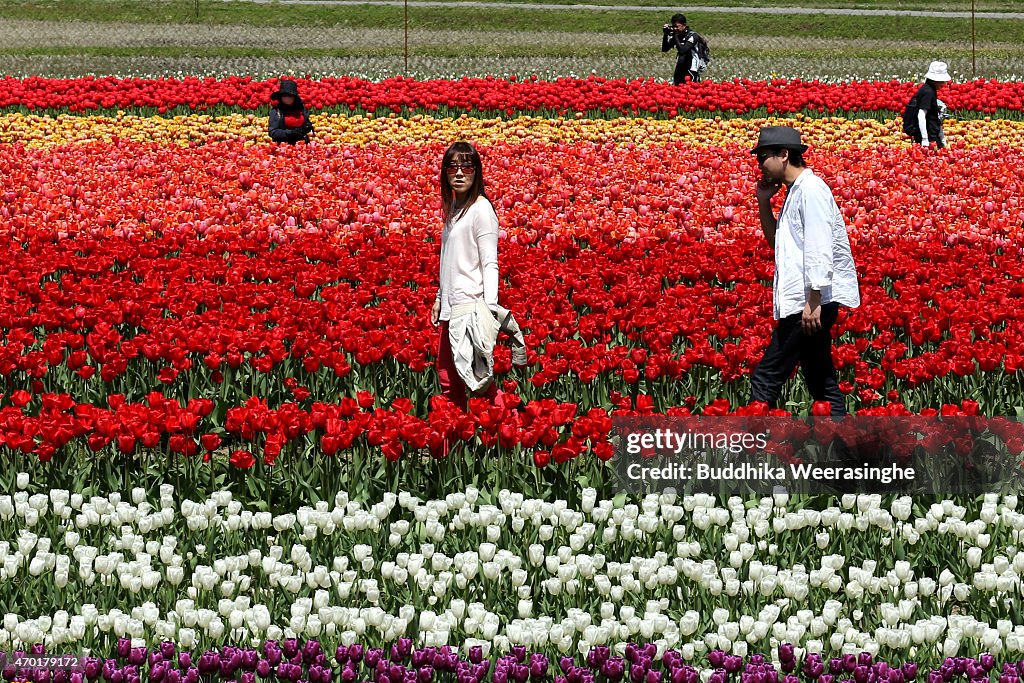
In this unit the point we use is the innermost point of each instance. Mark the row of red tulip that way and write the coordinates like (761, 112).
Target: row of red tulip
(607, 260)
(502, 95)
(44, 425)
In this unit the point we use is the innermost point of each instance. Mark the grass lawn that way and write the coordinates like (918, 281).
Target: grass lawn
(90, 36)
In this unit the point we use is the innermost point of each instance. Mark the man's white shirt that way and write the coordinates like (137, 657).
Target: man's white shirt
(812, 249)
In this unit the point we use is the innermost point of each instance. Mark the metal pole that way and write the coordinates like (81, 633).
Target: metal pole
(407, 37)
(197, 9)
(974, 45)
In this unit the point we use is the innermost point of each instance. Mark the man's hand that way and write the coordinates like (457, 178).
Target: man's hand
(810, 323)
(435, 312)
(766, 190)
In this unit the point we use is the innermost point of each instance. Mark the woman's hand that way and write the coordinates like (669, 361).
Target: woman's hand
(435, 312)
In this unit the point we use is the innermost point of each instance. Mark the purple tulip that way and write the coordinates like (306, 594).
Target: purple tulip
(826, 678)
(310, 650)
(173, 676)
(348, 674)
(124, 646)
(597, 656)
(718, 676)
(116, 677)
(538, 666)
(76, 677)
(93, 666)
(289, 647)
(613, 669)
(813, 667)
(519, 653)
(733, 663)
(157, 672)
(109, 667)
(653, 677)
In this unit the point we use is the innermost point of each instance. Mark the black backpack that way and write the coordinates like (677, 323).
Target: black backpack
(910, 126)
(701, 51)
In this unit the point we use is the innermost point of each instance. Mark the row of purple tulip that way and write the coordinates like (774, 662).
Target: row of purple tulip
(294, 661)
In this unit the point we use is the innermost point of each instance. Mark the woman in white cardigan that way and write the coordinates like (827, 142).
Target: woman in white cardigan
(469, 257)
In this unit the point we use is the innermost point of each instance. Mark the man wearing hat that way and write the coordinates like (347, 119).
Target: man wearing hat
(922, 119)
(814, 270)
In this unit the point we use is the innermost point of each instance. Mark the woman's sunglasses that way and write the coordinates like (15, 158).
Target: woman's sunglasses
(451, 168)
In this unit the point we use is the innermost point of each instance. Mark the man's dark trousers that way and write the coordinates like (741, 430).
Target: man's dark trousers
(790, 346)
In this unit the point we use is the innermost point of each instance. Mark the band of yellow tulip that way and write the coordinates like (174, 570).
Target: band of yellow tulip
(359, 131)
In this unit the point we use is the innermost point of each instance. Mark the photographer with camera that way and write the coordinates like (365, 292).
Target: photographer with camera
(677, 34)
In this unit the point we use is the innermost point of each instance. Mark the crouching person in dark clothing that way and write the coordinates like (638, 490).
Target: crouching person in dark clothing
(289, 120)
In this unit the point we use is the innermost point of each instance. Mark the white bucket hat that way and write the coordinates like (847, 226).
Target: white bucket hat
(937, 72)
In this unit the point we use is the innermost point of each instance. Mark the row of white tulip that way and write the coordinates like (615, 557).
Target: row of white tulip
(775, 65)
(686, 572)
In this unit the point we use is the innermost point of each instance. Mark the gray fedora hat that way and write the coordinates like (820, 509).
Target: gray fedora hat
(779, 136)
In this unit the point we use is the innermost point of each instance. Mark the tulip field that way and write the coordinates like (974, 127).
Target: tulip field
(223, 453)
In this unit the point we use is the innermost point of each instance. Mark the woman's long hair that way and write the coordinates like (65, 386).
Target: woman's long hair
(457, 152)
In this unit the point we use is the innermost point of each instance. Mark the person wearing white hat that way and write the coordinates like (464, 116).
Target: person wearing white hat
(922, 119)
